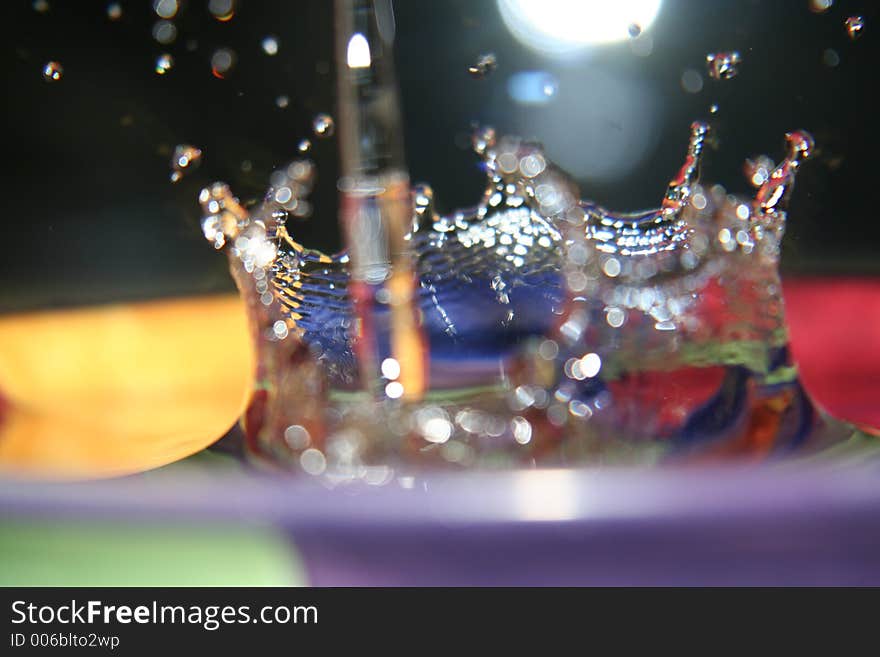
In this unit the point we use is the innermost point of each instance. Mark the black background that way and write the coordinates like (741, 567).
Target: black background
(90, 215)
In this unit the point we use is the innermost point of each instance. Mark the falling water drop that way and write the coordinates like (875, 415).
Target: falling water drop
(222, 10)
(282, 101)
(41, 6)
(164, 32)
(484, 65)
(323, 125)
(691, 81)
(713, 108)
(165, 8)
(820, 6)
(114, 11)
(164, 62)
(270, 45)
(634, 30)
(723, 65)
(854, 26)
(222, 62)
(52, 72)
(184, 159)
(304, 146)
(830, 57)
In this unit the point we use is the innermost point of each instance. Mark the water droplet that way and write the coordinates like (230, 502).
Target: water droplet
(722, 65)
(634, 30)
(282, 101)
(483, 139)
(758, 170)
(830, 57)
(773, 194)
(304, 146)
(185, 158)
(800, 145)
(52, 72)
(222, 62)
(323, 125)
(164, 32)
(820, 6)
(484, 65)
(164, 62)
(394, 390)
(114, 11)
(691, 81)
(854, 26)
(222, 10)
(297, 437)
(270, 45)
(615, 317)
(313, 461)
(713, 108)
(165, 8)
(41, 6)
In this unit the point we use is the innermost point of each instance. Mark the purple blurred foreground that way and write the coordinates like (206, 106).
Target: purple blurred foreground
(772, 525)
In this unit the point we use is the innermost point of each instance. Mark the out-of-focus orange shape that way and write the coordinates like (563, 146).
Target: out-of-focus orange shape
(120, 389)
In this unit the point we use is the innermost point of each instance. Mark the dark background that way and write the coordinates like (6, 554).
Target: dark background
(90, 215)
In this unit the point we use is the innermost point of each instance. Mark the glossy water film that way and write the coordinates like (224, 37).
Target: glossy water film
(535, 328)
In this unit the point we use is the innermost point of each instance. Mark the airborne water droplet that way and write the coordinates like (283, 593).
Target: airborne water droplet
(185, 157)
(164, 62)
(323, 125)
(270, 45)
(165, 8)
(484, 65)
(282, 101)
(691, 81)
(222, 10)
(854, 26)
(819, 6)
(164, 32)
(722, 65)
(830, 57)
(221, 62)
(713, 108)
(304, 146)
(41, 6)
(634, 30)
(52, 72)
(114, 11)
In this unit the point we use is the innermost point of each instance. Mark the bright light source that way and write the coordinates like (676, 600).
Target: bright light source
(564, 27)
(358, 54)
